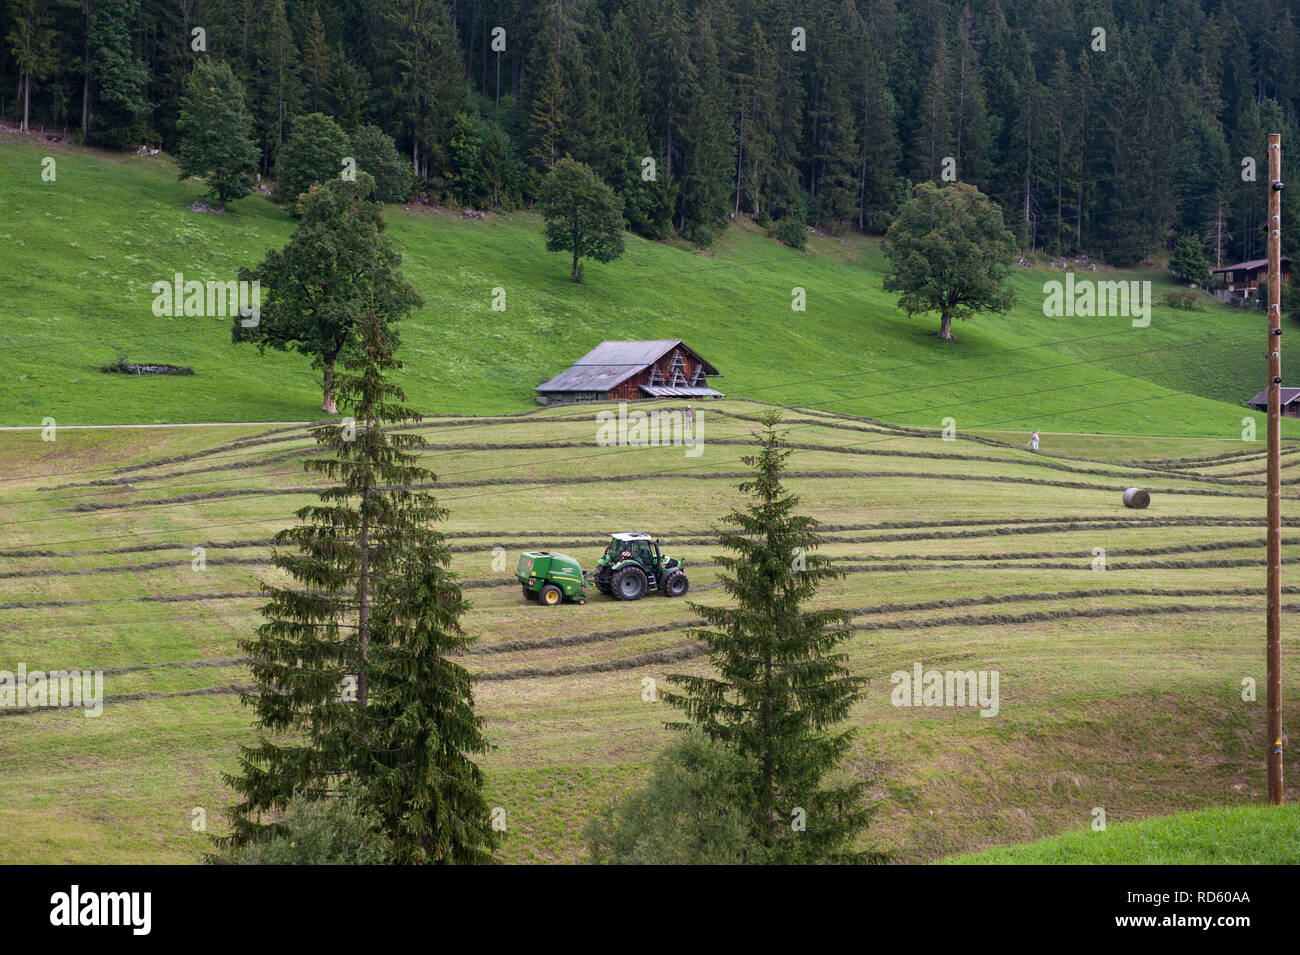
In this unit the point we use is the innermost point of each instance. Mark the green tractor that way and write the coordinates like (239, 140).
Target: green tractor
(633, 566)
(550, 578)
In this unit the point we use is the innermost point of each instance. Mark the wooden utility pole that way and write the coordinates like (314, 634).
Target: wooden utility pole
(1274, 651)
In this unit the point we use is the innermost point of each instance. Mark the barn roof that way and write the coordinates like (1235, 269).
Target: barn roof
(610, 364)
(1252, 264)
(1288, 395)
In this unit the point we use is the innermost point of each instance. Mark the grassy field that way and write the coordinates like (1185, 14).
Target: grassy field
(86, 248)
(1119, 688)
(1247, 835)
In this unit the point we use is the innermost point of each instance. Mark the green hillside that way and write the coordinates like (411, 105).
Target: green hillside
(87, 247)
(1246, 835)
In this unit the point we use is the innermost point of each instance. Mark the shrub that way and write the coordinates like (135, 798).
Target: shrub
(335, 831)
(791, 232)
(1185, 301)
(703, 237)
(691, 811)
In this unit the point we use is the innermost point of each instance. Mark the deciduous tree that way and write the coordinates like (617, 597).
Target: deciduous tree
(216, 132)
(583, 216)
(337, 267)
(949, 253)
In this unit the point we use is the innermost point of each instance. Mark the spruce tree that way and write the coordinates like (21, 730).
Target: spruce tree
(879, 146)
(122, 105)
(315, 65)
(354, 690)
(423, 81)
(419, 726)
(276, 79)
(549, 117)
(33, 44)
(782, 688)
(706, 141)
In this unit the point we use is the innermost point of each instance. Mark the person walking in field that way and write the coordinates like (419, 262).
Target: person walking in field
(1033, 440)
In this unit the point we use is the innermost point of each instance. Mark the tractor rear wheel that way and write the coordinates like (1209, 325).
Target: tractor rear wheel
(551, 595)
(676, 584)
(630, 583)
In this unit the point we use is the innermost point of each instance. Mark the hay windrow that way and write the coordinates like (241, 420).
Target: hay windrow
(652, 476)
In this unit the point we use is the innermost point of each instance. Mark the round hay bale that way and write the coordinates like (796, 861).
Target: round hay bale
(1136, 497)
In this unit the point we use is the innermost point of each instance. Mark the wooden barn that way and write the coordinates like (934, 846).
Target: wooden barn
(631, 371)
(1290, 402)
(1242, 281)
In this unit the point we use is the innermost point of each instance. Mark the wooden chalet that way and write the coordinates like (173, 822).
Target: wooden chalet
(1242, 281)
(1290, 402)
(631, 371)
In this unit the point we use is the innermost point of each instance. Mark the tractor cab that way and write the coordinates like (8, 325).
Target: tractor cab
(638, 547)
(633, 565)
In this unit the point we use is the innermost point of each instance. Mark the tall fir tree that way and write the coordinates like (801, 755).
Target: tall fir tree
(354, 685)
(424, 82)
(31, 40)
(549, 117)
(705, 136)
(121, 77)
(934, 140)
(782, 689)
(878, 142)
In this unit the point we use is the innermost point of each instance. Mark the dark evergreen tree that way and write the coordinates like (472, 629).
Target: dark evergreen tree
(424, 83)
(705, 138)
(354, 689)
(121, 78)
(274, 68)
(781, 689)
(31, 40)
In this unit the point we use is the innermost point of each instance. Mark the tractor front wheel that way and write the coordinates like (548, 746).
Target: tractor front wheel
(630, 583)
(551, 595)
(676, 584)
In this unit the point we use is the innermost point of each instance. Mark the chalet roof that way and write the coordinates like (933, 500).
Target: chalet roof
(1288, 395)
(1252, 264)
(611, 363)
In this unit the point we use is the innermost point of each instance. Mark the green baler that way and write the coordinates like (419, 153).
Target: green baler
(550, 578)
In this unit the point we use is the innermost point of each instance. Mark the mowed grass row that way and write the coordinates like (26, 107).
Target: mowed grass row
(1119, 688)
